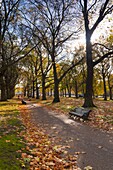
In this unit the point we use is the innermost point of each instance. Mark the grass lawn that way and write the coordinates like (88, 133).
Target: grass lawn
(11, 142)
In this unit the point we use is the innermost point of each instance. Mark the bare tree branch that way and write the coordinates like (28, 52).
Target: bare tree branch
(102, 58)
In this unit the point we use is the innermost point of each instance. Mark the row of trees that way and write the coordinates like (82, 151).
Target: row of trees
(12, 46)
(72, 83)
(41, 34)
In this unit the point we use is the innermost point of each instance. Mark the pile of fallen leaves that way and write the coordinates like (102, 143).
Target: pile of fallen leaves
(42, 154)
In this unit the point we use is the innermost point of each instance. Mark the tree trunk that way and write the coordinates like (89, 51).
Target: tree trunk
(110, 88)
(3, 89)
(69, 91)
(28, 91)
(56, 85)
(37, 91)
(11, 93)
(56, 92)
(104, 84)
(110, 93)
(33, 88)
(88, 102)
(76, 89)
(48, 92)
(43, 88)
(25, 91)
(65, 92)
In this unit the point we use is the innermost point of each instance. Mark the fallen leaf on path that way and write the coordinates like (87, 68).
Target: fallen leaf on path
(100, 147)
(88, 168)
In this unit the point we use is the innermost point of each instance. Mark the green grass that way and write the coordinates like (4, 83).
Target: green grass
(10, 140)
(9, 144)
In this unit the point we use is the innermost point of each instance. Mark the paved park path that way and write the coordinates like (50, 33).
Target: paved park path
(96, 146)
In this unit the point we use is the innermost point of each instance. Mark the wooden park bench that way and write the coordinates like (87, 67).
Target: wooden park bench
(80, 113)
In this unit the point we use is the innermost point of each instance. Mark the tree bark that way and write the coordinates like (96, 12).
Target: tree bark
(25, 91)
(110, 93)
(88, 102)
(76, 89)
(33, 89)
(104, 84)
(69, 90)
(56, 84)
(37, 91)
(56, 92)
(3, 89)
(43, 88)
(110, 88)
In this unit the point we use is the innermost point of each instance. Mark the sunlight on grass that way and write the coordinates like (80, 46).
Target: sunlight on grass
(8, 107)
